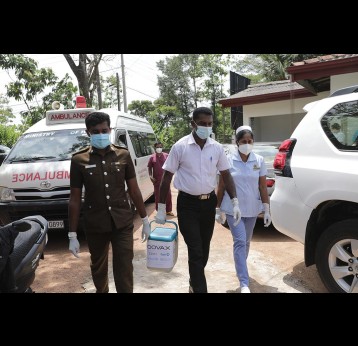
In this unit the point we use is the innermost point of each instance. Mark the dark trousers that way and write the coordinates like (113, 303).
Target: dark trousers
(122, 250)
(196, 220)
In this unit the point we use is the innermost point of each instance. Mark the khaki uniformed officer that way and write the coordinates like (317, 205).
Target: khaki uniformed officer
(103, 169)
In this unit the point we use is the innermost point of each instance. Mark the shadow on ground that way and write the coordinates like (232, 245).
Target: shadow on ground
(305, 278)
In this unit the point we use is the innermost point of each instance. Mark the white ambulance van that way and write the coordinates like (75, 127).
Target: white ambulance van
(35, 176)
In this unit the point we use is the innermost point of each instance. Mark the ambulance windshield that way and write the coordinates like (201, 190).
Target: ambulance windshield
(48, 146)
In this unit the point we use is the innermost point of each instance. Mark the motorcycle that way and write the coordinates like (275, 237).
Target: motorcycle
(22, 245)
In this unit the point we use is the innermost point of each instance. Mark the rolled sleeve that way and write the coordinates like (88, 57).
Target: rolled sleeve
(263, 169)
(171, 164)
(223, 162)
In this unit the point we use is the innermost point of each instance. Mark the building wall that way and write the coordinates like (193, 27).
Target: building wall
(343, 81)
(279, 107)
(275, 128)
(275, 121)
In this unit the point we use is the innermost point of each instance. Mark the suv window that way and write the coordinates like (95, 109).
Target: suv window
(340, 124)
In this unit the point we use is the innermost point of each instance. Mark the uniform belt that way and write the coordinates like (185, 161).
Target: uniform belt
(204, 196)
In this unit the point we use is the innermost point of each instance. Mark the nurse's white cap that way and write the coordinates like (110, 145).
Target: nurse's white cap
(243, 127)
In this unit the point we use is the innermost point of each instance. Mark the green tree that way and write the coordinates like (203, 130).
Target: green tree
(63, 91)
(268, 67)
(174, 84)
(142, 108)
(109, 88)
(6, 115)
(186, 81)
(109, 93)
(31, 83)
(86, 72)
(9, 134)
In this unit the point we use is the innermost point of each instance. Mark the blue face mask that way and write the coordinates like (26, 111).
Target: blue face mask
(100, 140)
(203, 132)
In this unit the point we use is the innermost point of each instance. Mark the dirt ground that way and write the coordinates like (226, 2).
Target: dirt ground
(275, 264)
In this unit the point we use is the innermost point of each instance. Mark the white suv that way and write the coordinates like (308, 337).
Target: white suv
(316, 193)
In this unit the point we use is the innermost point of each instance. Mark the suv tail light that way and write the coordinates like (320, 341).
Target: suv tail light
(270, 182)
(282, 162)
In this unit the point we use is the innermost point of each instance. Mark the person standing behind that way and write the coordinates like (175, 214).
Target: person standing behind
(249, 173)
(103, 169)
(336, 130)
(195, 159)
(155, 170)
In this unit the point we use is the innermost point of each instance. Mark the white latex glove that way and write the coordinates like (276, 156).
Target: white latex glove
(161, 214)
(220, 216)
(145, 229)
(236, 211)
(267, 215)
(74, 246)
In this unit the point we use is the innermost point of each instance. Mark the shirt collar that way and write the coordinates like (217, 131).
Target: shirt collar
(94, 150)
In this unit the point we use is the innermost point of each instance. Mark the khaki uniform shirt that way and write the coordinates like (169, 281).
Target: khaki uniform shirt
(103, 178)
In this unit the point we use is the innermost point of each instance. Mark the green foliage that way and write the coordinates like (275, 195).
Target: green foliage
(224, 132)
(64, 91)
(268, 67)
(109, 93)
(9, 135)
(30, 83)
(85, 72)
(186, 81)
(6, 114)
(141, 108)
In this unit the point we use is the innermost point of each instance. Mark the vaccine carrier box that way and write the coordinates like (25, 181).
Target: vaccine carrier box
(162, 248)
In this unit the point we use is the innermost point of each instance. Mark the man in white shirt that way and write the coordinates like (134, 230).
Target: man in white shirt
(195, 159)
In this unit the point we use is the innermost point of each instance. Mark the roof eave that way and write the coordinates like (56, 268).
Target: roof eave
(323, 69)
(280, 96)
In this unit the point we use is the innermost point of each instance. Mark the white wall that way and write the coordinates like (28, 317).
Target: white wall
(343, 81)
(279, 107)
(275, 128)
(275, 121)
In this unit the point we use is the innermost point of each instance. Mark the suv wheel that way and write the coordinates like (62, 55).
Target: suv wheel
(337, 257)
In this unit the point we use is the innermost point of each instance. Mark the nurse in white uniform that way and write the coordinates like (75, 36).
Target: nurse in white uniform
(249, 174)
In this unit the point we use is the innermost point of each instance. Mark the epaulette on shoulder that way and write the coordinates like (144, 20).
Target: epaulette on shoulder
(81, 151)
(120, 146)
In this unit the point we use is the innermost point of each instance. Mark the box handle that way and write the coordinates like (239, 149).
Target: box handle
(167, 221)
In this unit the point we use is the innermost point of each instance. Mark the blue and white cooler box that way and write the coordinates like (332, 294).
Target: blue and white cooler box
(162, 248)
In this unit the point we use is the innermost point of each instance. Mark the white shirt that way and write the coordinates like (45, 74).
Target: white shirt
(246, 178)
(196, 168)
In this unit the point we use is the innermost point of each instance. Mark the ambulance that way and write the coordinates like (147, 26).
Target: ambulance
(35, 176)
